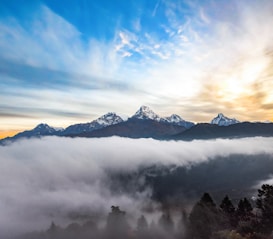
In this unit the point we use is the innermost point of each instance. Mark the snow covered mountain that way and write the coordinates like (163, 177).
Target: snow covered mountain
(39, 130)
(103, 121)
(145, 113)
(145, 123)
(222, 120)
(45, 129)
(177, 120)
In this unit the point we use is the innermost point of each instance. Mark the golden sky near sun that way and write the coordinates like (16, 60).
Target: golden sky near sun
(8, 133)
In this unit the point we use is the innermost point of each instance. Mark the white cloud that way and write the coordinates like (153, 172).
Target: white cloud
(137, 24)
(232, 50)
(52, 42)
(203, 16)
(155, 8)
(46, 179)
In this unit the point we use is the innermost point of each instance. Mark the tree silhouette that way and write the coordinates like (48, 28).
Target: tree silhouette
(117, 225)
(227, 206)
(142, 227)
(203, 219)
(245, 217)
(207, 201)
(142, 224)
(166, 222)
(244, 210)
(228, 212)
(265, 204)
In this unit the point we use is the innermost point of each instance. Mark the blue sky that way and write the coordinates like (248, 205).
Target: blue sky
(69, 62)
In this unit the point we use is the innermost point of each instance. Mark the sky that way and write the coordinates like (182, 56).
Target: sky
(67, 62)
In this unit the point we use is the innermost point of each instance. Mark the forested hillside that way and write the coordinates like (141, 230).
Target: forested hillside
(252, 219)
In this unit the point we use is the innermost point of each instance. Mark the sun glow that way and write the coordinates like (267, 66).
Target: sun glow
(8, 133)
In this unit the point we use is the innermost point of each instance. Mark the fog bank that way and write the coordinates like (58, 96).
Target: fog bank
(55, 178)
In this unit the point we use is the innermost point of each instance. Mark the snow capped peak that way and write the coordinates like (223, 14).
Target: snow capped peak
(42, 126)
(222, 120)
(109, 119)
(45, 128)
(145, 112)
(177, 120)
(39, 130)
(174, 118)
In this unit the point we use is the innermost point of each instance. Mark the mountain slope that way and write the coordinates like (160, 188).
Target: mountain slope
(145, 113)
(137, 128)
(177, 120)
(239, 130)
(222, 120)
(103, 121)
(38, 131)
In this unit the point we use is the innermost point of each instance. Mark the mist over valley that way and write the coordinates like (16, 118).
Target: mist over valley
(72, 179)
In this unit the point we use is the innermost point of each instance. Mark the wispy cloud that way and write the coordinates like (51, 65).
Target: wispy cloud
(155, 8)
(208, 57)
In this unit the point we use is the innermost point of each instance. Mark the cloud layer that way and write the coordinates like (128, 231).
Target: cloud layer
(51, 178)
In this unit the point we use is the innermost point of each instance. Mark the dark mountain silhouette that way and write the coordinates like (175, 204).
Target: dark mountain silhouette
(137, 128)
(239, 130)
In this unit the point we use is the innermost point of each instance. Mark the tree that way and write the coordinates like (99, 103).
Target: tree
(227, 206)
(203, 219)
(142, 224)
(244, 210)
(245, 217)
(207, 201)
(265, 204)
(166, 222)
(53, 228)
(142, 227)
(117, 224)
(228, 211)
(54, 231)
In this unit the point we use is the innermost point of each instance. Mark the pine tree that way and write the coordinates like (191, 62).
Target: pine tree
(204, 218)
(207, 200)
(265, 204)
(245, 217)
(227, 206)
(228, 212)
(142, 224)
(117, 225)
(244, 210)
(166, 222)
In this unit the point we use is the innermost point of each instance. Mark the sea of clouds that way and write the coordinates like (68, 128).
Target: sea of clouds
(53, 178)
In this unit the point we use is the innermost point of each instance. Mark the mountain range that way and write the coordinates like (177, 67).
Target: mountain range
(147, 124)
